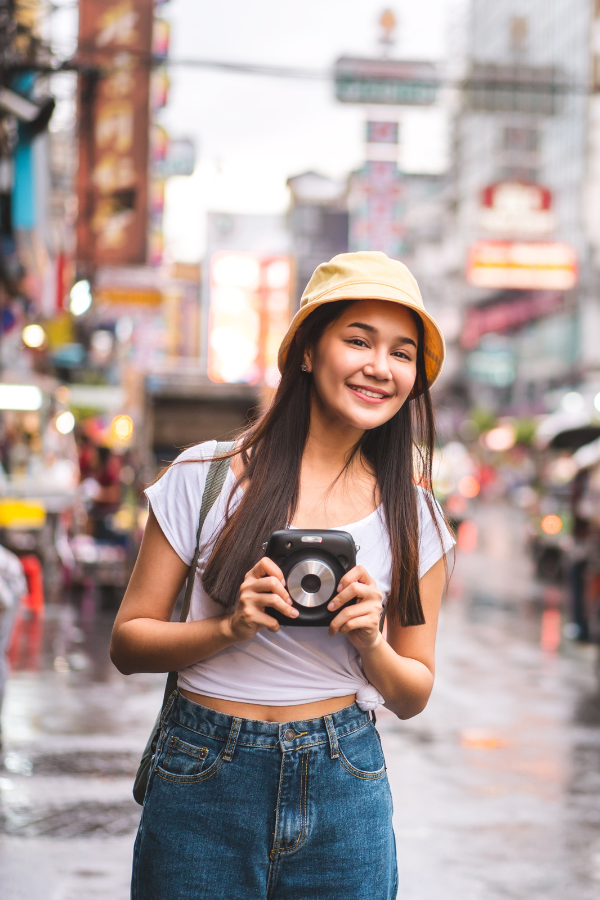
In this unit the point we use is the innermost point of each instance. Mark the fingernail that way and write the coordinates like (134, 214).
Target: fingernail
(295, 612)
(331, 605)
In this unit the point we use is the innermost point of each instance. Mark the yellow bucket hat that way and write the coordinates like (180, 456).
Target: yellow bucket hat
(368, 275)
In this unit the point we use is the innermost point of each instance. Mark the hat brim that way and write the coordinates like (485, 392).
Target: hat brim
(434, 349)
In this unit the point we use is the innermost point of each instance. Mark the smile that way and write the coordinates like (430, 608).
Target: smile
(368, 394)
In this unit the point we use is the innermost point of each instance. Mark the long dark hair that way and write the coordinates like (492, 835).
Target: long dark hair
(399, 452)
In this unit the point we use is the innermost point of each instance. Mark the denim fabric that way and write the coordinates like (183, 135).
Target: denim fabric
(240, 809)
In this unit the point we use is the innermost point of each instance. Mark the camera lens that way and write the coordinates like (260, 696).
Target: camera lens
(311, 584)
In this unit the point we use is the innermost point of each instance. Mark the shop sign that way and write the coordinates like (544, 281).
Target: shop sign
(516, 208)
(387, 81)
(115, 41)
(527, 266)
(514, 310)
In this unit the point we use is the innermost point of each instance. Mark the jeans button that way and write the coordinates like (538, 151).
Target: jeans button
(289, 734)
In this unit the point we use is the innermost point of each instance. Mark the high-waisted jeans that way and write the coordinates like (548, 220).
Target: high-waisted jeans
(238, 809)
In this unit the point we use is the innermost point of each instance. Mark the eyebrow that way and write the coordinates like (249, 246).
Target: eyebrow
(370, 328)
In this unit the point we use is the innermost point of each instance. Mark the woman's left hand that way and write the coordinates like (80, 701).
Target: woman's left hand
(360, 621)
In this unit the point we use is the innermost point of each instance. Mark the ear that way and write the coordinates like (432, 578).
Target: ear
(307, 359)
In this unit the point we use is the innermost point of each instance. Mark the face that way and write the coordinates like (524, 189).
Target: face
(365, 364)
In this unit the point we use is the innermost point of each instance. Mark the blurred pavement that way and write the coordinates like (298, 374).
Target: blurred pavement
(496, 785)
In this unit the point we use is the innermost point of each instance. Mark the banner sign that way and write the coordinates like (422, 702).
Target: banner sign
(388, 81)
(528, 266)
(513, 310)
(115, 46)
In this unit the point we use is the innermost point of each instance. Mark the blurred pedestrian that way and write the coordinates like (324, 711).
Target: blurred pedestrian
(13, 587)
(269, 778)
(107, 498)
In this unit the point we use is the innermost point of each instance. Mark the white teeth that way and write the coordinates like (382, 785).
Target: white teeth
(368, 393)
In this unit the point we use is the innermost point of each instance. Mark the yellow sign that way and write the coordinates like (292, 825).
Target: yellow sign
(526, 266)
(147, 296)
(15, 513)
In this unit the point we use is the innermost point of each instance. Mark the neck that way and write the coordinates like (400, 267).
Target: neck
(330, 441)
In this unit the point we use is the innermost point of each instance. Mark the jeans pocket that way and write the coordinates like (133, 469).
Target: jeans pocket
(361, 753)
(181, 761)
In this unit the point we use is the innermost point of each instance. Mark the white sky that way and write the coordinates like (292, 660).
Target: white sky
(253, 132)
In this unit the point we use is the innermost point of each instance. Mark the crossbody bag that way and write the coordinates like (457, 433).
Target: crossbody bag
(215, 480)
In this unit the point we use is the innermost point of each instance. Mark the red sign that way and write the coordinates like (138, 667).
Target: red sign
(508, 313)
(115, 42)
(528, 266)
(515, 208)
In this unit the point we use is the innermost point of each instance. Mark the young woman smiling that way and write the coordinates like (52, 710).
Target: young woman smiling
(269, 780)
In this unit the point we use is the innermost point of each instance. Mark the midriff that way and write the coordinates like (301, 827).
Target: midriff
(263, 713)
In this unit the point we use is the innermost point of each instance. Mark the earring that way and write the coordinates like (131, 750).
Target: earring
(304, 367)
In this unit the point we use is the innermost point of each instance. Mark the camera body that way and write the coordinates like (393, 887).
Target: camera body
(313, 563)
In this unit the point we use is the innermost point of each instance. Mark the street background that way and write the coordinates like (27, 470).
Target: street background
(171, 173)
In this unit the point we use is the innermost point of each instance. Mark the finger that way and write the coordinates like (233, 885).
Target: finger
(358, 573)
(353, 612)
(261, 601)
(365, 622)
(265, 621)
(356, 589)
(269, 585)
(265, 567)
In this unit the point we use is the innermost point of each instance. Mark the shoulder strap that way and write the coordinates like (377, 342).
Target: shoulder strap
(215, 480)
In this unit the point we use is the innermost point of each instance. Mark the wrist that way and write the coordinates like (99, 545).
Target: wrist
(373, 648)
(226, 630)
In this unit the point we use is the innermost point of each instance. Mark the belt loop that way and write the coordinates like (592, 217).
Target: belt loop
(233, 735)
(167, 709)
(373, 717)
(333, 741)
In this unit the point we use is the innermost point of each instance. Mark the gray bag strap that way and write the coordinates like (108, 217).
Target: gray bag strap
(215, 480)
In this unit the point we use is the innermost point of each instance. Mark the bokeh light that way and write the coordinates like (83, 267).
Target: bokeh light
(65, 422)
(80, 298)
(469, 486)
(33, 336)
(501, 438)
(122, 427)
(551, 524)
(572, 402)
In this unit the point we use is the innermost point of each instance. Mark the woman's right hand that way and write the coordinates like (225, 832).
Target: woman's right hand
(263, 588)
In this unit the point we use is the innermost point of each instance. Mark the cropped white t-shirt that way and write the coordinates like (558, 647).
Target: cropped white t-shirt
(295, 665)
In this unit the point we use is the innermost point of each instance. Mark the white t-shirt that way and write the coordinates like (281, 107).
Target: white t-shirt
(295, 665)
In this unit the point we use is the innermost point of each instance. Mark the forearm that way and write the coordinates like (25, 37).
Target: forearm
(151, 645)
(404, 683)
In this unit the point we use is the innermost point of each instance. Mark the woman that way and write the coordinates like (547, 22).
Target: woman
(269, 779)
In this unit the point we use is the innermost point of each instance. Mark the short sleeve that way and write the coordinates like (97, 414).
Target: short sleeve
(176, 498)
(432, 545)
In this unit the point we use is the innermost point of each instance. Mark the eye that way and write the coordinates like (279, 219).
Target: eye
(401, 354)
(357, 342)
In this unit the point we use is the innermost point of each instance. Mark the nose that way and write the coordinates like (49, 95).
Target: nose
(378, 366)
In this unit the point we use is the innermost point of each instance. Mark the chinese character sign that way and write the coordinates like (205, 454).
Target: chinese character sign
(376, 208)
(115, 47)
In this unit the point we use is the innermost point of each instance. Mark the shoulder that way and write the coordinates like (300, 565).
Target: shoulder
(435, 538)
(185, 477)
(176, 497)
(432, 522)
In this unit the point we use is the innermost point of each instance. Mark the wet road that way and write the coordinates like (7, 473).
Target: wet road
(496, 785)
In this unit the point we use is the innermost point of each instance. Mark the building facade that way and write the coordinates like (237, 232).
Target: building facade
(521, 132)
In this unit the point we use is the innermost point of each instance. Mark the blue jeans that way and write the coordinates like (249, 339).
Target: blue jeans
(238, 809)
